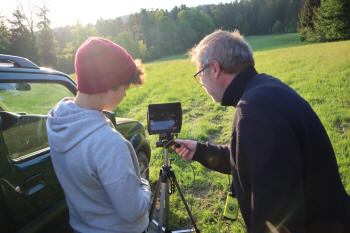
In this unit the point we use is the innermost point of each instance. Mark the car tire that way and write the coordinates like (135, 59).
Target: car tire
(143, 164)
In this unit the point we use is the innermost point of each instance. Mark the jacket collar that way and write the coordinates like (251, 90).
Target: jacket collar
(235, 89)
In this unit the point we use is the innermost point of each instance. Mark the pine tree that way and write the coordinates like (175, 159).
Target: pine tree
(332, 20)
(306, 18)
(48, 45)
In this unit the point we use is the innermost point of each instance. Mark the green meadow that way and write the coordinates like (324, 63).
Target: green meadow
(320, 73)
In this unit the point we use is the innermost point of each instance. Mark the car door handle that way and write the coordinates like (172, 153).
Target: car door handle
(34, 184)
(17, 189)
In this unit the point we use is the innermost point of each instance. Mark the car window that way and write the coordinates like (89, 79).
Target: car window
(31, 98)
(24, 108)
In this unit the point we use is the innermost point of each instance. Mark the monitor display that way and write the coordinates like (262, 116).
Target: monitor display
(164, 118)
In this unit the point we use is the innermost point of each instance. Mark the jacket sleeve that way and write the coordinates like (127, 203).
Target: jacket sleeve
(269, 161)
(213, 157)
(129, 194)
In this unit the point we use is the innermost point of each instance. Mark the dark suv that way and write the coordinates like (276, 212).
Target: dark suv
(30, 196)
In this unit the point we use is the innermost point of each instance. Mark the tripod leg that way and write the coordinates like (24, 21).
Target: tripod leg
(167, 208)
(154, 199)
(164, 190)
(184, 201)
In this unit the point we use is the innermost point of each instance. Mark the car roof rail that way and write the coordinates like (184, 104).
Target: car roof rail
(18, 62)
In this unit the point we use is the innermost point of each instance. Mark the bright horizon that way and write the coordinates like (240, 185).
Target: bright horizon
(69, 12)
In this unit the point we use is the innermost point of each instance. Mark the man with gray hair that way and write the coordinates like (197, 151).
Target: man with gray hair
(280, 156)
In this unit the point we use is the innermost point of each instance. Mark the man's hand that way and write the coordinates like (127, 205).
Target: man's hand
(187, 148)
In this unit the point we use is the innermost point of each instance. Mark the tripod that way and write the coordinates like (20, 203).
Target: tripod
(167, 174)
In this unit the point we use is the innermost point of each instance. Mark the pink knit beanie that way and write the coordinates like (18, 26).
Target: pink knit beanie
(101, 65)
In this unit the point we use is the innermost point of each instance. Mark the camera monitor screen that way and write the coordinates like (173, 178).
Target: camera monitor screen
(164, 118)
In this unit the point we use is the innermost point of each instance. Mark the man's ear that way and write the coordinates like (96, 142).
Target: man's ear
(215, 68)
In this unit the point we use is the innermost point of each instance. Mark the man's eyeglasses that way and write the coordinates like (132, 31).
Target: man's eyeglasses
(200, 71)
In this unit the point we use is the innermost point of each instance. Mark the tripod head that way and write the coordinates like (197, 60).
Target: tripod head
(165, 140)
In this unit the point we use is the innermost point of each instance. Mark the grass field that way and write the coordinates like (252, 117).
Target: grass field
(318, 72)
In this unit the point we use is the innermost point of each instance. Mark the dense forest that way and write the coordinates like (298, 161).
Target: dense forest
(148, 34)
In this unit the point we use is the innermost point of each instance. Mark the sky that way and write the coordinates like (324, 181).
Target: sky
(69, 12)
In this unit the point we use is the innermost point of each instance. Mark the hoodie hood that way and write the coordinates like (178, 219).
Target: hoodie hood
(68, 124)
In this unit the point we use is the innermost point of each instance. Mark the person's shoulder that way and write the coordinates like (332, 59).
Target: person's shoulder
(262, 80)
(260, 98)
(264, 90)
(108, 135)
(109, 143)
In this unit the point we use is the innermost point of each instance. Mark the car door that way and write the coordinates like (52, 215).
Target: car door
(29, 185)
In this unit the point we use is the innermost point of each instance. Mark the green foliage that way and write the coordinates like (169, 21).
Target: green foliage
(47, 48)
(291, 27)
(277, 27)
(325, 20)
(65, 58)
(199, 21)
(320, 75)
(136, 49)
(332, 20)
(22, 37)
(109, 27)
(4, 38)
(306, 25)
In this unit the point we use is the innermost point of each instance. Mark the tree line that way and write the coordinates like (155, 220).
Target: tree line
(148, 34)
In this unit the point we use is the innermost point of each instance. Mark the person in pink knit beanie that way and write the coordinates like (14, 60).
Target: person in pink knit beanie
(95, 165)
(102, 67)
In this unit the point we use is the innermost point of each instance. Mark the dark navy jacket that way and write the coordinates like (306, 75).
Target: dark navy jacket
(281, 159)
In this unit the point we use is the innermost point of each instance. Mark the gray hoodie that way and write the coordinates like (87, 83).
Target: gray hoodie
(98, 171)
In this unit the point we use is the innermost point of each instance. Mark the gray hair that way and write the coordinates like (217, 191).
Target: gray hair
(229, 49)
